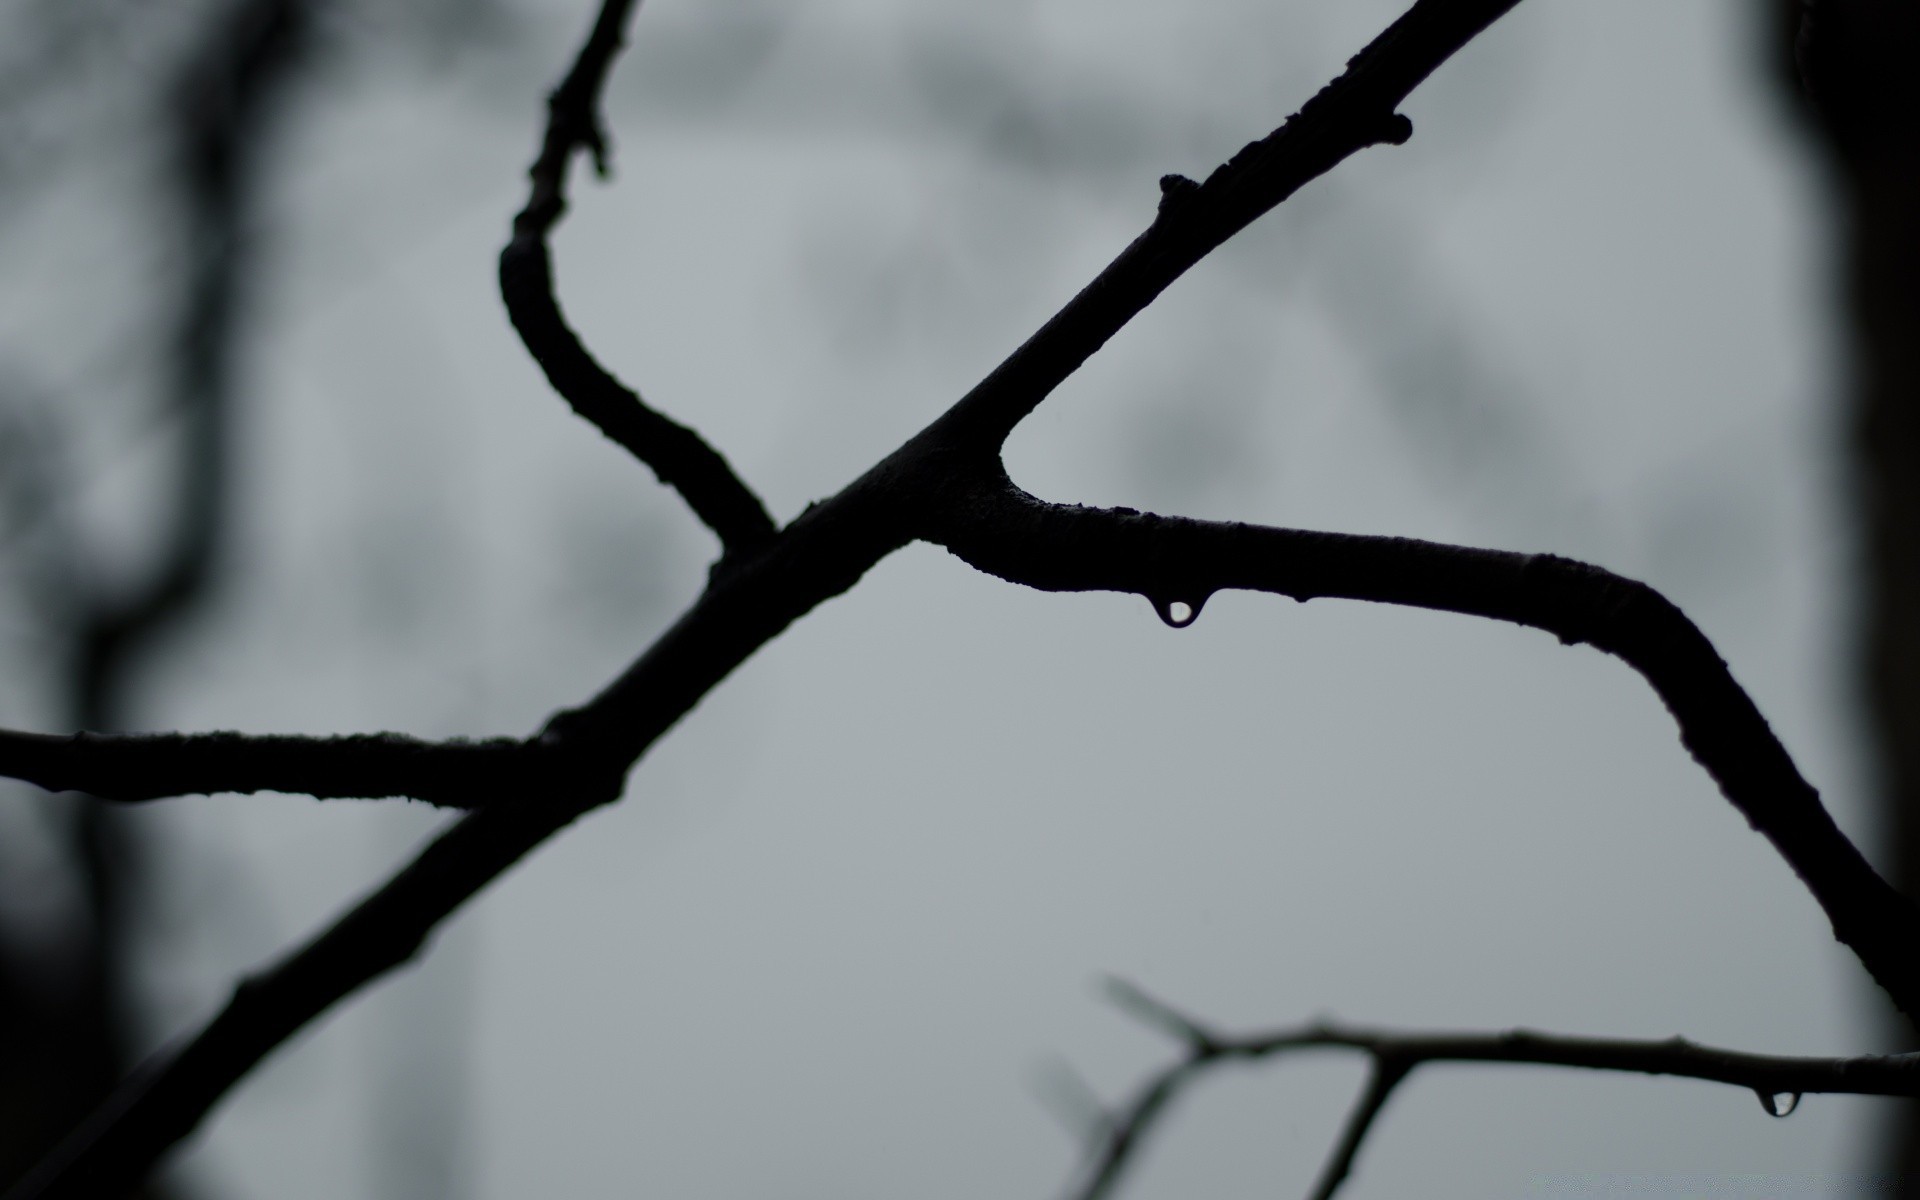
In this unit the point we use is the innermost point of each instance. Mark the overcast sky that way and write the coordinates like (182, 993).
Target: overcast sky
(853, 912)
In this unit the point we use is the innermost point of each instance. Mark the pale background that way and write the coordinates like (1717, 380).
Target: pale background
(852, 916)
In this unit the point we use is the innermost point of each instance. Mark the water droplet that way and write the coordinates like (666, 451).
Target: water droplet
(1779, 1104)
(1178, 614)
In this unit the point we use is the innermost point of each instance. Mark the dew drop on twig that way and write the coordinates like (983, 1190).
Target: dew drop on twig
(1178, 614)
(1779, 1104)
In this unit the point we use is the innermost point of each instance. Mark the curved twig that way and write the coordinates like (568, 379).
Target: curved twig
(1779, 1081)
(1178, 563)
(680, 457)
(139, 767)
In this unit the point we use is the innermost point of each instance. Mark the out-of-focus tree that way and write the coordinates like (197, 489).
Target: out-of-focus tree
(180, 108)
(68, 1002)
(1850, 67)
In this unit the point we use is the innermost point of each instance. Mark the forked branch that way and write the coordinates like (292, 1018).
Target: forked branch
(1778, 1081)
(947, 486)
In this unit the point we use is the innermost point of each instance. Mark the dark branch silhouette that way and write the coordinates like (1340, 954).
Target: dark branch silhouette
(1386, 1075)
(136, 767)
(1778, 1081)
(948, 486)
(1355, 111)
(678, 455)
(1178, 562)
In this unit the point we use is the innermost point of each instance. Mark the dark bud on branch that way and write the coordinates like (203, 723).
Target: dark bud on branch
(1174, 189)
(1395, 130)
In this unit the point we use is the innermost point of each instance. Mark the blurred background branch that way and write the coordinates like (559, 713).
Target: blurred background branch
(215, 104)
(206, 84)
(1848, 65)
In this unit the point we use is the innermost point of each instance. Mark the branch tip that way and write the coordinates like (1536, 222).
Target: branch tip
(679, 456)
(1066, 1094)
(1130, 998)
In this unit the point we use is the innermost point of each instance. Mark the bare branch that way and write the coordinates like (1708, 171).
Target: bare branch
(138, 767)
(1353, 112)
(1396, 1054)
(1151, 1010)
(947, 486)
(772, 578)
(679, 456)
(1381, 1080)
(166, 1098)
(1126, 1129)
(821, 555)
(1177, 562)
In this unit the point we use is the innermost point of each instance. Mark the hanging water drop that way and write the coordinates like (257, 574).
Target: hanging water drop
(1779, 1104)
(1178, 614)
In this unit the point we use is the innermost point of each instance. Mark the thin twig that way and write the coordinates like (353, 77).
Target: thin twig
(1072, 1100)
(1132, 999)
(681, 458)
(1384, 1076)
(1395, 1054)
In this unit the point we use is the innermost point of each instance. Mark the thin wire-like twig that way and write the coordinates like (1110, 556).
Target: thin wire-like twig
(681, 458)
(1396, 1054)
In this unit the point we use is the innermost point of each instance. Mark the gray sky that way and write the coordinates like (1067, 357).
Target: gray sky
(856, 904)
